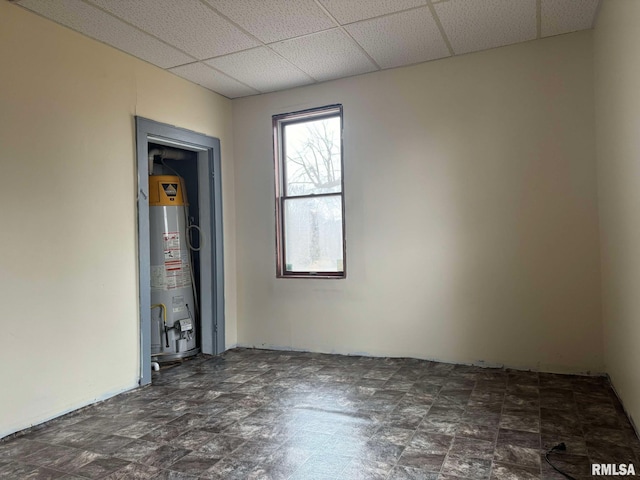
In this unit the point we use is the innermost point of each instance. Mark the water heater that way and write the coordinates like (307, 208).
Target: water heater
(173, 330)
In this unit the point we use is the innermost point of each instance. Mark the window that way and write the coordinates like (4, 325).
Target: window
(309, 193)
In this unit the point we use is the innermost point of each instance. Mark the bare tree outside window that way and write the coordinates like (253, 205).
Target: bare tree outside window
(313, 163)
(310, 198)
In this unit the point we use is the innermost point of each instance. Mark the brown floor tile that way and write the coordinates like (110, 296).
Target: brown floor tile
(519, 438)
(501, 471)
(267, 415)
(401, 472)
(477, 431)
(526, 423)
(467, 467)
(101, 467)
(522, 456)
(472, 448)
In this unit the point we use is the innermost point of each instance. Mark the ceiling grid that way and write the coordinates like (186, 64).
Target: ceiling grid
(247, 47)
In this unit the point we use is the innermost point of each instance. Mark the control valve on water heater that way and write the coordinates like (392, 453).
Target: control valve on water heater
(173, 333)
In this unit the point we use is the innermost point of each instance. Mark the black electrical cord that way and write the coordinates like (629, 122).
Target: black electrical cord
(560, 447)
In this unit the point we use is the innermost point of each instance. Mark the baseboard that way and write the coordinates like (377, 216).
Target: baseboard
(477, 363)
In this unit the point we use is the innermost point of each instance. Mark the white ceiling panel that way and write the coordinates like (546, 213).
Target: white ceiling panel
(207, 77)
(348, 11)
(473, 25)
(564, 16)
(274, 20)
(245, 47)
(325, 55)
(97, 24)
(409, 37)
(188, 25)
(262, 69)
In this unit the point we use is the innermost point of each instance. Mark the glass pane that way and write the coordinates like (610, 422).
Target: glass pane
(313, 234)
(312, 157)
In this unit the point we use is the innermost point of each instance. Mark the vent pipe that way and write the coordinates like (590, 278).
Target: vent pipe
(166, 153)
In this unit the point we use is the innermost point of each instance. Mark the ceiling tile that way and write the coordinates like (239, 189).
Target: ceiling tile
(564, 16)
(304, 44)
(273, 20)
(473, 25)
(101, 26)
(207, 77)
(348, 11)
(262, 69)
(400, 39)
(325, 55)
(188, 25)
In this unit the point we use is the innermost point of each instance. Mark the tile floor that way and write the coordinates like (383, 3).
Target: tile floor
(258, 414)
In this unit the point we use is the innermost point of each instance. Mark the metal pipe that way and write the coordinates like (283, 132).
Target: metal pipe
(176, 154)
(168, 154)
(164, 310)
(152, 153)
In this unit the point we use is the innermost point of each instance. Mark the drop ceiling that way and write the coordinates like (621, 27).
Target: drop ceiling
(247, 47)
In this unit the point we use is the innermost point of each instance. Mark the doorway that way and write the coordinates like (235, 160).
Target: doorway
(202, 171)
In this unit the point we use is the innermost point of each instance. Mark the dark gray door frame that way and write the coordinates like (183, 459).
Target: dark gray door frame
(210, 200)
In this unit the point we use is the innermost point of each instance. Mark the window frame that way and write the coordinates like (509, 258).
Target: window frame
(279, 122)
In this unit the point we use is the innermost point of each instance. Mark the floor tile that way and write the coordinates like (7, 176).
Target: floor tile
(108, 444)
(519, 438)
(136, 450)
(195, 463)
(322, 464)
(271, 415)
(472, 448)
(134, 471)
(164, 456)
(438, 425)
(15, 470)
(20, 447)
(415, 457)
(574, 465)
(229, 469)
(575, 444)
(522, 456)
(43, 473)
(432, 443)
(47, 455)
(401, 472)
(527, 423)
(171, 475)
(502, 471)
(395, 435)
(101, 467)
(74, 460)
(477, 431)
(465, 467)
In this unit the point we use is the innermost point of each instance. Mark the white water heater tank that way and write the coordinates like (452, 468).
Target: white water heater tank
(173, 325)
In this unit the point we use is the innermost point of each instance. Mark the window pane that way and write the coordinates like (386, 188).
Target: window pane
(312, 163)
(313, 233)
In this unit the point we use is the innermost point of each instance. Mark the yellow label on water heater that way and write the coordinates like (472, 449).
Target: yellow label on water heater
(166, 190)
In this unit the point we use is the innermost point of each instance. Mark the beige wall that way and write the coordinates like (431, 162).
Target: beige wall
(617, 80)
(471, 211)
(472, 225)
(68, 267)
